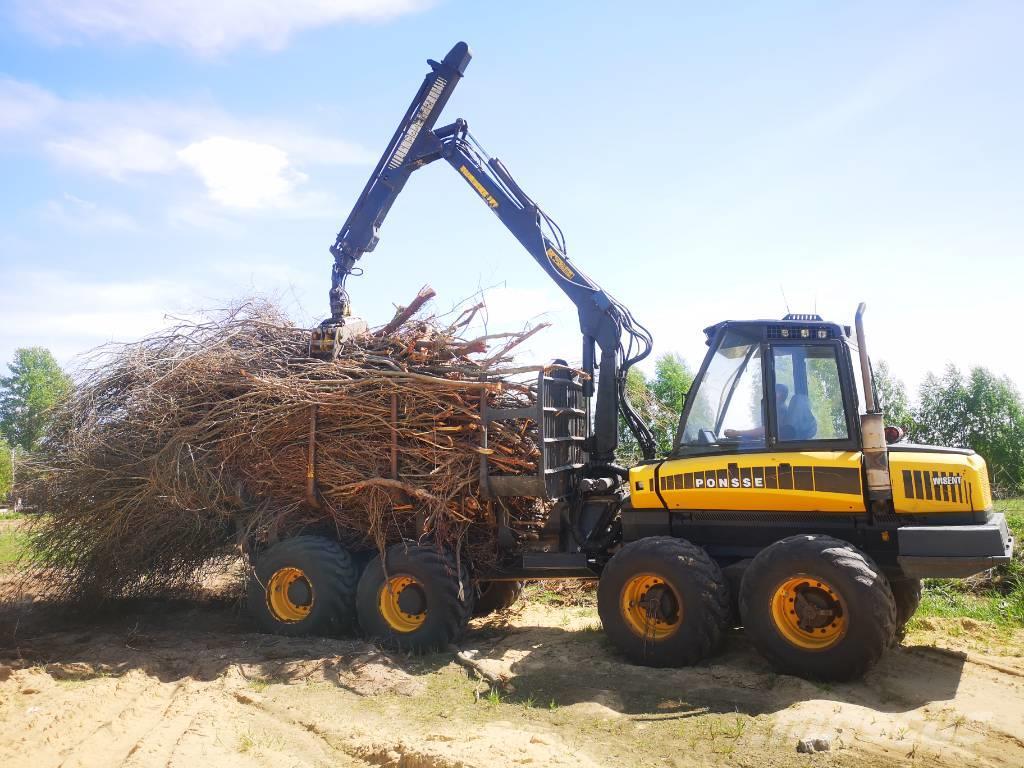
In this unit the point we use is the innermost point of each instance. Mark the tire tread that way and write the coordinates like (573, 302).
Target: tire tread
(712, 587)
(336, 566)
(844, 557)
(455, 612)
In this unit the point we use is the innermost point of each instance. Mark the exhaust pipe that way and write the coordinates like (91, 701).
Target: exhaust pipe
(870, 405)
(872, 424)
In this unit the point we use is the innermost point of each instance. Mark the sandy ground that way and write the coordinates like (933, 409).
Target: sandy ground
(188, 683)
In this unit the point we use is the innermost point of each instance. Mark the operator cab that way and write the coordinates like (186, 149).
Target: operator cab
(772, 385)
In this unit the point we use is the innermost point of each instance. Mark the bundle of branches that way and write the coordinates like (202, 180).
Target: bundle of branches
(177, 445)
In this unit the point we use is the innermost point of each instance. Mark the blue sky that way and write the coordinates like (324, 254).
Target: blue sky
(703, 159)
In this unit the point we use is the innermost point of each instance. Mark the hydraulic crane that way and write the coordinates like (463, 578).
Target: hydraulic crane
(607, 325)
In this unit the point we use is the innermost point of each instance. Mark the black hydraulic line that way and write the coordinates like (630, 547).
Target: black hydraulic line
(603, 320)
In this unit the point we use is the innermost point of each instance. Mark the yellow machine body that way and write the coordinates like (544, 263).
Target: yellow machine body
(805, 481)
(929, 482)
(811, 481)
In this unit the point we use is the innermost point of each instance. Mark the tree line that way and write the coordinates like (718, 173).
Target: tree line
(976, 409)
(34, 384)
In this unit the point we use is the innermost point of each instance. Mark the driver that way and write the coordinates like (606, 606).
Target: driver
(781, 395)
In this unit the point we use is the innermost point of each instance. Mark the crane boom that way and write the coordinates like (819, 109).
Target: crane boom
(607, 326)
(359, 233)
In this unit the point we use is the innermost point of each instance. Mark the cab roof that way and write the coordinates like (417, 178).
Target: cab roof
(792, 326)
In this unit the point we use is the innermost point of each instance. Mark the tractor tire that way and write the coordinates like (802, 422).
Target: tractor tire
(907, 594)
(494, 596)
(663, 602)
(305, 585)
(416, 605)
(817, 607)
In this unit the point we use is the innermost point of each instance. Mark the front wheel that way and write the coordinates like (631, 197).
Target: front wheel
(817, 607)
(663, 602)
(419, 603)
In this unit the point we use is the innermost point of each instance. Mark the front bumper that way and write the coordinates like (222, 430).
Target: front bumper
(951, 551)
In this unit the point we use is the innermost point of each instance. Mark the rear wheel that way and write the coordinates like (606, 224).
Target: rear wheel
(416, 605)
(305, 585)
(907, 594)
(494, 596)
(663, 602)
(817, 607)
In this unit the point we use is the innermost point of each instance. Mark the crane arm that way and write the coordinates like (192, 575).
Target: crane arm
(410, 146)
(608, 327)
(612, 339)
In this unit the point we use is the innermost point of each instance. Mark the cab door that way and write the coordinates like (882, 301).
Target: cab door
(771, 428)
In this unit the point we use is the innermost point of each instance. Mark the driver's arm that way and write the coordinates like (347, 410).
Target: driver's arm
(745, 434)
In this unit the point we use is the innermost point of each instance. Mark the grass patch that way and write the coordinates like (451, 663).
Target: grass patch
(13, 543)
(562, 593)
(998, 598)
(259, 743)
(941, 601)
(10, 514)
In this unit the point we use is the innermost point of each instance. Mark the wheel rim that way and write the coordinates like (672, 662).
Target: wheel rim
(289, 595)
(809, 613)
(651, 606)
(403, 603)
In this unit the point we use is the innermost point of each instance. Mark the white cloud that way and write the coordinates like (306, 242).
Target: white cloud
(71, 315)
(199, 25)
(245, 163)
(23, 105)
(311, 148)
(116, 152)
(75, 213)
(242, 174)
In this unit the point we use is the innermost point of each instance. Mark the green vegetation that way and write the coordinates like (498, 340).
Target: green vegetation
(658, 401)
(998, 598)
(980, 411)
(259, 742)
(6, 469)
(36, 383)
(13, 542)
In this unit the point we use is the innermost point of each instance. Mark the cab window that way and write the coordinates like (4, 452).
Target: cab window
(728, 409)
(808, 394)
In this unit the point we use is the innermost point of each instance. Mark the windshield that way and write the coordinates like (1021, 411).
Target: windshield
(728, 406)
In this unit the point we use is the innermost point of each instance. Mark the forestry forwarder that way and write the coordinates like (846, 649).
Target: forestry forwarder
(780, 507)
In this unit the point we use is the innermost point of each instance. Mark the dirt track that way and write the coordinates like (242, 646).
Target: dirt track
(188, 684)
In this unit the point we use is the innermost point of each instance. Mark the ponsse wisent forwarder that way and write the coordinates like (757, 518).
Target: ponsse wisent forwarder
(781, 508)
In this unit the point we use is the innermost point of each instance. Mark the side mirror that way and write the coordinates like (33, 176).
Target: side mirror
(894, 434)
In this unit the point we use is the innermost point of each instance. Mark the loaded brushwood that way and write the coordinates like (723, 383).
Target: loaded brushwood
(226, 431)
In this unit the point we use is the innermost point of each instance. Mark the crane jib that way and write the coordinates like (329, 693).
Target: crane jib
(413, 131)
(604, 323)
